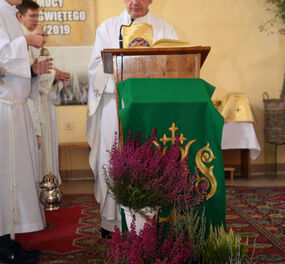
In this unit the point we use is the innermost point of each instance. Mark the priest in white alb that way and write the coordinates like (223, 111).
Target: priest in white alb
(43, 109)
(20, 209)
(102, 113)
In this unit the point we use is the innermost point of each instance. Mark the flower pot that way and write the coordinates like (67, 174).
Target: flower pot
(141, 219)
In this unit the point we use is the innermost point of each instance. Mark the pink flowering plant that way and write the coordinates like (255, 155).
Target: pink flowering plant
(139, 176)
(147, 247)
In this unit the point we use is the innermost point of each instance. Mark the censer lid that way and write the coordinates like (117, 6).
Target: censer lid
(49, 181)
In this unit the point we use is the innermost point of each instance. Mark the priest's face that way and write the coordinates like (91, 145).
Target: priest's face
(14, 2)
(30, 19)
(137, 8)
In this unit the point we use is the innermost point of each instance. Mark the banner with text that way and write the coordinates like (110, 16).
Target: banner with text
(68, 22)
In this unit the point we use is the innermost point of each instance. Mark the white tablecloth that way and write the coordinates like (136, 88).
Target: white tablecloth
(241, 135)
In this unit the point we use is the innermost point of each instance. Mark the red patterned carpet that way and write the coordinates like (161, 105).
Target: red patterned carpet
(73, 232)
(259, 213)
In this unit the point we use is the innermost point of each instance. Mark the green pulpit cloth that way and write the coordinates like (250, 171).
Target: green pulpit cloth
(186, 105)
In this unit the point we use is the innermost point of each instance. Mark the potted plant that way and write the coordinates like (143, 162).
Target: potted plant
(139, 176)
(141, 179)
(148, 246)
(184, 244)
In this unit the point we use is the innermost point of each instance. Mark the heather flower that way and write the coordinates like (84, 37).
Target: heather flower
(148, 247)
(139, 176)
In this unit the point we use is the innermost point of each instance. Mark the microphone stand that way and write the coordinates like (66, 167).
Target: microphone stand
(121, 45)
(121, 37)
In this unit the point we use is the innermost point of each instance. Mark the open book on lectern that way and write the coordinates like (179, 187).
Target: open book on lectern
(142, 32)
(164, 43)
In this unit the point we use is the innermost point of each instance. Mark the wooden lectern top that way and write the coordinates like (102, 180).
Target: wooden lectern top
(107, 54)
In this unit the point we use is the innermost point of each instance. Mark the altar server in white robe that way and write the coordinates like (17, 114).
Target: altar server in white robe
(20, 209)
(102, 114)
(43, 109)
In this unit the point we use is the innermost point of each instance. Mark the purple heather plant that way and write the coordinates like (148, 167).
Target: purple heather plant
(148, 247)
(139, 176)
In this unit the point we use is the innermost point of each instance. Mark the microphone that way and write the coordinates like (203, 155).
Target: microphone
(121, 37)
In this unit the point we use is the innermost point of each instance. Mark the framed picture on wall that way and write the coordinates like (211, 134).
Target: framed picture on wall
(75, 61)
(73, 91)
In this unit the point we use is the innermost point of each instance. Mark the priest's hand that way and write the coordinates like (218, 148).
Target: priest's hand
(39, 31)
(35, 40)
(41, 67)
(61, 76)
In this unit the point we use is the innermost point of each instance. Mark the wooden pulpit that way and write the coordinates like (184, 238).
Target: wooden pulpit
(174, 62)
(162, 89)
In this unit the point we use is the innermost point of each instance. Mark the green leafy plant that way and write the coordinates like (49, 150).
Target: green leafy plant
(223, 247)
(277, 7)
(193, 226)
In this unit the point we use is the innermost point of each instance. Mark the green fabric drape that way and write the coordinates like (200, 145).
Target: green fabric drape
(145, 104)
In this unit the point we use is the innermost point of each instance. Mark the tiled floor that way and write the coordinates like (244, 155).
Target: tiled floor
(86, 186)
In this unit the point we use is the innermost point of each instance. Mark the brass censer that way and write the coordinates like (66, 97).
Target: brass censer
(50, 194)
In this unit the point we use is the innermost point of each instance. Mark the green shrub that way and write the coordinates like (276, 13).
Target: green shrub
(222, 247)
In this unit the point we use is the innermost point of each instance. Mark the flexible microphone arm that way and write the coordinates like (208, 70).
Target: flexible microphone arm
(121, 37)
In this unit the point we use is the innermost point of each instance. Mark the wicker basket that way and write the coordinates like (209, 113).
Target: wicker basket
(274, 120)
